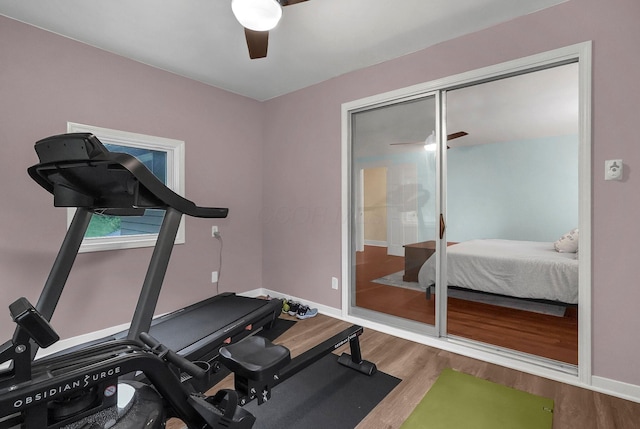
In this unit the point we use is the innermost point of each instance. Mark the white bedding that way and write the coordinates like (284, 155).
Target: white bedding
(524, 269)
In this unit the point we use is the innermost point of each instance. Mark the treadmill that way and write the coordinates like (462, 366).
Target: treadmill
(98, 385)
(81, 172)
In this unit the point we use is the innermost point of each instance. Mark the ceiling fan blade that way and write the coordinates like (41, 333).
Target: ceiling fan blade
(257, 42)
(457, 135)
(449, 137)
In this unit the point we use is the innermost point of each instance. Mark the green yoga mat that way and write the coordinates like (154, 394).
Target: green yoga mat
(461, 401)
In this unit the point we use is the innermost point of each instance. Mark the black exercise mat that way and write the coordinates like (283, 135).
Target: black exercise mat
(326, 395)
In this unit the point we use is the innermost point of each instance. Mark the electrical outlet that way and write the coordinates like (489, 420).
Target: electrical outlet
(214, 277)
(334, 283)
(214, 230)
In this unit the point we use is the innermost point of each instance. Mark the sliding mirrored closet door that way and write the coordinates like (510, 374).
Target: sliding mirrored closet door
(394, 206)
(496, 161)
(512, 193)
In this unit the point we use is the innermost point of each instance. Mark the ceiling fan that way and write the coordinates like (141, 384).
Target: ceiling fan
(430, 141)
(258, 17)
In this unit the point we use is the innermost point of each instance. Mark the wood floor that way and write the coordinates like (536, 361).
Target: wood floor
(548, 336)
(418, 366)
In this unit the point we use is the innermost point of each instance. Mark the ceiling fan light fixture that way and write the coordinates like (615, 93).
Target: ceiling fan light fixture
(430, 142)
(257, 15)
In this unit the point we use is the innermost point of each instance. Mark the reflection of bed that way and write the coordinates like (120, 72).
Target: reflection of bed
(523, 269)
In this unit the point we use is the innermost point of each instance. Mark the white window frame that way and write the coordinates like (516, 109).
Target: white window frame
(175, 181)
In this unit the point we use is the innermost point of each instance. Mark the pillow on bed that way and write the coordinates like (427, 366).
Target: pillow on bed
(568, 243)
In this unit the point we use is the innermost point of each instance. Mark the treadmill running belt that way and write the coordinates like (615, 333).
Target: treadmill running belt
(201, 320)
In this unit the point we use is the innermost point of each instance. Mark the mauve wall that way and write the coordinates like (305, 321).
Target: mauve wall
(302, 161)
(47, 80)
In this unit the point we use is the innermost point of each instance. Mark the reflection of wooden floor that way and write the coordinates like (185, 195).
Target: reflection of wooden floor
(547, 336)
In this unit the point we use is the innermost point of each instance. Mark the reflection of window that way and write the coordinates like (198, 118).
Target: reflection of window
(165, 159)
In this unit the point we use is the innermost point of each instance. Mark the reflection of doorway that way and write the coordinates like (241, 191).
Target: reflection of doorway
(374, 212)
(402, 207)
(390, 207)
(389, 153)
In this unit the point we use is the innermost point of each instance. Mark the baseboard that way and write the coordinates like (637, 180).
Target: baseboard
(376, 243)
(616, 388)
(322, 309)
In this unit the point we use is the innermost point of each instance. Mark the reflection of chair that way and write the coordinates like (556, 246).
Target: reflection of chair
(409, 197)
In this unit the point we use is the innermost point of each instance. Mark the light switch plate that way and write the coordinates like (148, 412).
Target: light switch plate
(613, 169)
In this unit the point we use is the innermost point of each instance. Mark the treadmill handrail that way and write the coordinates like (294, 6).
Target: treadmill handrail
(81, 172)
(63, 156)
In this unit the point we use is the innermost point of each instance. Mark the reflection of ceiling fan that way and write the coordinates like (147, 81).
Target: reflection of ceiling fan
(258, 17)
(430, 142)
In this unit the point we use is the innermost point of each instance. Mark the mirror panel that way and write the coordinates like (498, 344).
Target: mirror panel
(394, 207)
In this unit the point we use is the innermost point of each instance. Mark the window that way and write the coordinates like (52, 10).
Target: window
(165, 159)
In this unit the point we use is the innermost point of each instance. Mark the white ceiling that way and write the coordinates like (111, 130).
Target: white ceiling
(518, 108)
(535, 105)
(315, 41)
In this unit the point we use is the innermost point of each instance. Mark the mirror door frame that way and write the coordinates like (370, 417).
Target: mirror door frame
(354, 217)
(580, 53)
